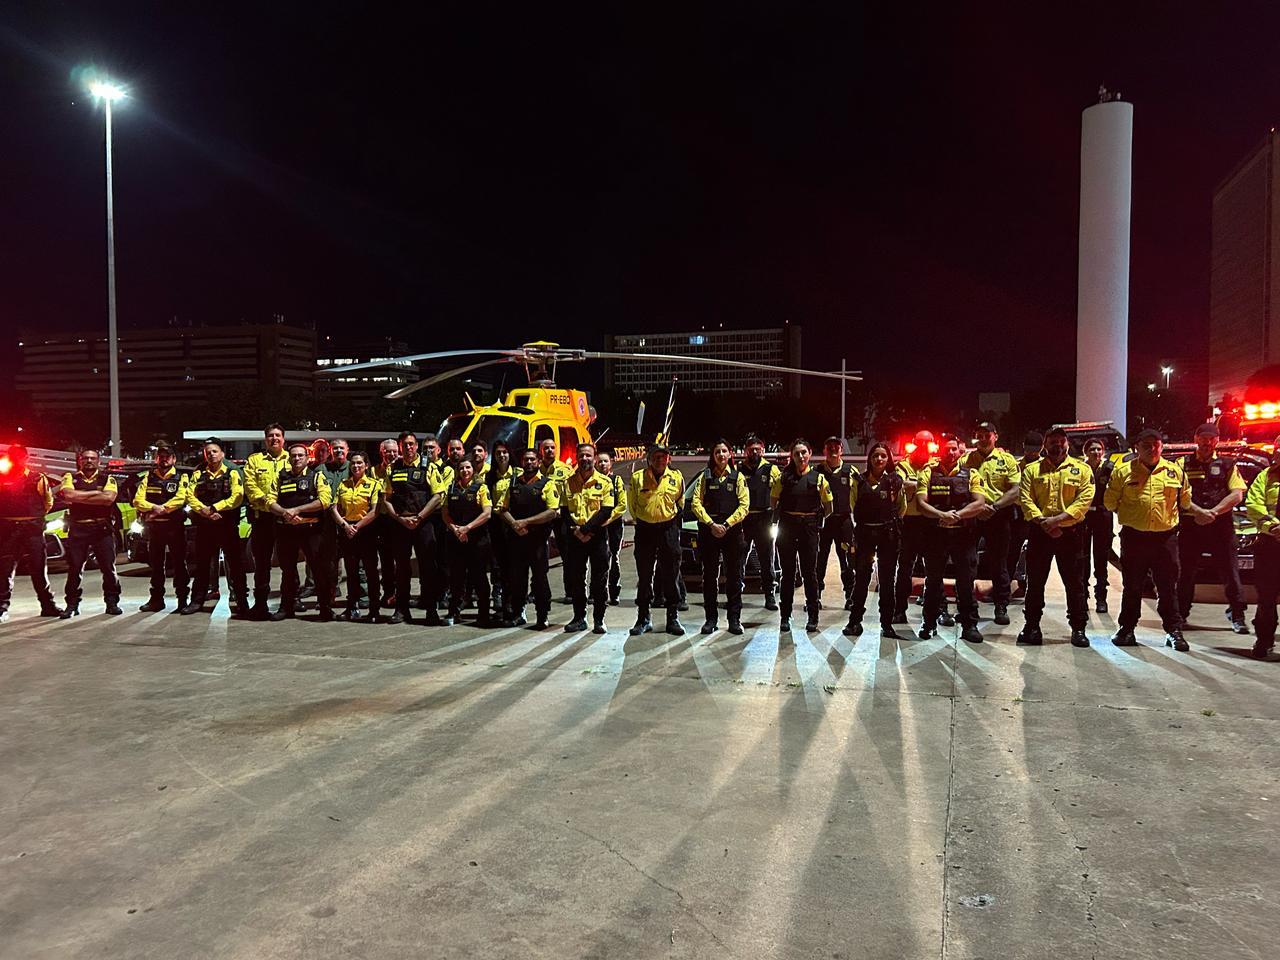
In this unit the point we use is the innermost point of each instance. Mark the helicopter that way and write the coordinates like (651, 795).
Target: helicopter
(541, 411)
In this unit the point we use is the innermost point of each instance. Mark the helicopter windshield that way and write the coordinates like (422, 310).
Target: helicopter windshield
(453, 429)
(490, 428)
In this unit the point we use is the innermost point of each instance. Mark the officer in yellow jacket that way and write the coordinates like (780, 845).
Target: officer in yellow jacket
(260, 472)
(587, 506)
(161, 501)
(655, 497)
(355, 513)
(297, 499)
(90, 494)
(1055, 493)
(998, 474)
(613, 529)
(1147, 494)
(721, 502)
(25, 498)
(1261, 503)
(214, 495)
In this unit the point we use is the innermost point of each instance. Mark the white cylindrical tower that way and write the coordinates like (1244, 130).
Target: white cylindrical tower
(1102, 306)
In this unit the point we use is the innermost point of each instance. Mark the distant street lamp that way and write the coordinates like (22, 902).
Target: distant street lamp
(109, 93)
(1168, 372)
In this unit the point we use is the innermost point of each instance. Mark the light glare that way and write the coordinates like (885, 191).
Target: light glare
(106, 91)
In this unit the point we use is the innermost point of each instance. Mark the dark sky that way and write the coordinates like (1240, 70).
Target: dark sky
(900, 180)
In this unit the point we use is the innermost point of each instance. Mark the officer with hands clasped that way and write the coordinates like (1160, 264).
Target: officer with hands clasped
(214, 495)
(1261, 503)
(160, 501)
(297, 499)
(876, 501)
(90, 495)
(530, 505)
(720, 502)
(837, 529)
(950, 497)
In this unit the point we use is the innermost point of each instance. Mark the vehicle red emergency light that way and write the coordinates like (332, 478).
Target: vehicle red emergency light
(5, 464)
(910, 446)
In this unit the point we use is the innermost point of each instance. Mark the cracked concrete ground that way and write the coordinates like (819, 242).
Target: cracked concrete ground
(190, 786)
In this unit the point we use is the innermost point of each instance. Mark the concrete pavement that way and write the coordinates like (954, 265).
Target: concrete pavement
(194, 786)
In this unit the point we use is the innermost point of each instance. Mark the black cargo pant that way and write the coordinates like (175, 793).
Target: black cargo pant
(212, 537)
(915, 533)
(837, 530)
(528, 561)
(1266, 578)
(499, 560)
(421, 540)
(469, 567)
(1067, 549)
(577, 557)
(798, 552)
(658, 547)
(168, 537)
(1095, 554)
(309, 539)
(99, 539)
(360, 564)
(717, 554)
(995, 534)
(384, 529)
(875, 540)
(757, 532)
(1218, 539)
(614, 533)
(18, 539)
(960, 546)
(1143, 552)
(262, 543)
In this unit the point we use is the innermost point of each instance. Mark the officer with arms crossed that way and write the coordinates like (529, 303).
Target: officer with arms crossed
(297, 498)
(214, 496)
(1261, 501)
(530, 504)
(876, 501)
(1216, 490)
(1146, 494)
(721, 502)
(837, 529)
(25, 498)
(160, 502)
(1055, 493)
(802, 501)
(91, 511)
(951, 498)
(587, 506)
(259, 475)
(998, 473)
(1098, 528)
(655, 500)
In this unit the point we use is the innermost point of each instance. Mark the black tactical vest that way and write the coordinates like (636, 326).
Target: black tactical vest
(1208, 480)
(840, 479)
(83, 513)
(878, 503)
(20, 496)
(293, 491)
(464, 502)
(758, 485)
(1101, 478)
(949, 492)
(410, 487)
(161, 490)
(720, 494)
(525, 499)
(210, 490)
(800, 493)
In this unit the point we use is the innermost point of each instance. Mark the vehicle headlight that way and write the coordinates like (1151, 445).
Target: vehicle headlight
(773, 531)
(53, 526)
(135, 527)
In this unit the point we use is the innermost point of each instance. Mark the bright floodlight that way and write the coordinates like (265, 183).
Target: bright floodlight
(106, 91)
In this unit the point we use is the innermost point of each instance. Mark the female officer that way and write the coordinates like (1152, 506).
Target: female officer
(801, 501)
(877, 502)
(720, 502)
(355, 514)
(466, 511)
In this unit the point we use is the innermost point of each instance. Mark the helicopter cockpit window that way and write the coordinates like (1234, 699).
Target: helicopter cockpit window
(543, 432)
(568, 445)
(453, 429)
(511, 430)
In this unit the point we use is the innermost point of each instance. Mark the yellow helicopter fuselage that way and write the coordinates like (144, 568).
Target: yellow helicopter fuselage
(527, 417)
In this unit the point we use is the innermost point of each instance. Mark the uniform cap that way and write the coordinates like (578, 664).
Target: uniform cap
(1207, 430)
(1033, 437)
(1148, 434)
(986, 426)
(830, 440)
(162, 446)
(1055, 432)
(658, 448)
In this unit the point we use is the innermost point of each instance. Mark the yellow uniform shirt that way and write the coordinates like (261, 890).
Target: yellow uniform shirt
(1260, 501)
(583, 499)
(480, 472)
(619, 498)
(498, 488)
(356, 499)
(69, 483)
(740, 491)
(1046, 490)
(655, 499)
(550, 493)
(998, 472)
(233, 499)
(282, 482)
(259, 473)
(1147, 500)
(920, 475)
(439, 474)
(178, 499)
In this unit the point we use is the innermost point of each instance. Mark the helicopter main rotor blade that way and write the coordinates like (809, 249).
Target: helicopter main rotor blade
(715, 362)
(412, 358)
(447, 375)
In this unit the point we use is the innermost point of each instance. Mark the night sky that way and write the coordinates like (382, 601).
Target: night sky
(903, 183)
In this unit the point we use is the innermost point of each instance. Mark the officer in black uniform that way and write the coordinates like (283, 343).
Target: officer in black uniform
(530, 506)
(951, 499)
(298, 498)
(413, 494)
(877, 505)
(161, 501)
(613, 529)
(466, 517)
(497, 478)
(837, 529)
(1099, 525)
(757, 530)
(384, 527)
(720, 501)
(214, 497)
(803, 499)
(25, 498)
(1207, 526)
(90, 494)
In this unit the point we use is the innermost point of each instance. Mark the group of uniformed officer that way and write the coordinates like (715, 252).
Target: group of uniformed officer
(479, 523)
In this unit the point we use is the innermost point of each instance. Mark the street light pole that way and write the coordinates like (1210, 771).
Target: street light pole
(844, 393)
(108, 93)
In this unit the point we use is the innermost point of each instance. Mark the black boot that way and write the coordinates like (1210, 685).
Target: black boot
(853, 628)
(643, 623)
(674, 626)
(50, 609)
(1030, 636)
(72, 609)
(113, 606)
(1079, 638)
(1002, 614)
(195, 606)
(1124, 638)
(735, 624)
(1174, 638)
(811, 625)
(154, 605)
(769, 602)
